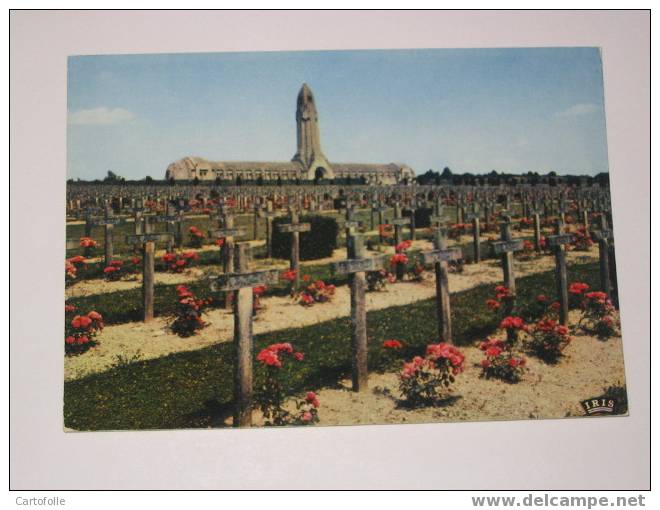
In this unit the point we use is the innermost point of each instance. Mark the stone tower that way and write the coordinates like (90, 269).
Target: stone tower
(309, 152)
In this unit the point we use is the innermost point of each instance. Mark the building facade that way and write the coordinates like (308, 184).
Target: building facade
(308, 164)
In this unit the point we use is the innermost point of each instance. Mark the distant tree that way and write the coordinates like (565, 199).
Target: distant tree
(239, 180)
(196, 181)
(260, 181)
(172, 182)
(602, 179)
(113, 177)
(279, 180)
(69, 181)
(447, 174)
(148, 179)
(493, 178)
(218, 181)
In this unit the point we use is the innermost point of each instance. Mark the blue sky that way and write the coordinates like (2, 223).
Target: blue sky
(473, 110)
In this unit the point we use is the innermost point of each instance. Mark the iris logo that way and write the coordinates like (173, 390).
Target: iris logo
(595, 406)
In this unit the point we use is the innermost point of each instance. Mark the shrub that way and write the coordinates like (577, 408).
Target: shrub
(598, 315)
(318, 243)
(582, 240)
(317, 292)
(89, 244)
(500, 362)
(271, 396)
(178, 262)
(188, 314)
(528, 252)
(196, 237)
(457, 230)
(502, 301)
(548, 339)
(81, 330)
(422, 216)
(399, 260)
(576, 292)
(424, 381)
(72, 266)
(114, 271)
(378, 280)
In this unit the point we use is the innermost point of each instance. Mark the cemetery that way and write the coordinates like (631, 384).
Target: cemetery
(194, 305)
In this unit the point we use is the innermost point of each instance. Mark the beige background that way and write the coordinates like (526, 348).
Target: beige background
(578, 453)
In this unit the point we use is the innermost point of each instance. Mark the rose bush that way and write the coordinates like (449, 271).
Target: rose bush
(196, 237)
(81, 330)
(271, 395)
(425, 380)
(548, 339)
(500, 361)
(188, 313)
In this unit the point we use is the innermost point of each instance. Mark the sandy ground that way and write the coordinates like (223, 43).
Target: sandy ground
(154, 339)
(546, 391)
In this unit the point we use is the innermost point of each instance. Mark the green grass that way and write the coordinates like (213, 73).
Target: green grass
(193, 389)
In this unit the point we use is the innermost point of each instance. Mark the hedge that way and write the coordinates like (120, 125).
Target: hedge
(318, 243)
(422, 216)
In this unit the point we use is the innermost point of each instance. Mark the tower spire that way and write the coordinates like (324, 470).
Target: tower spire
(309, 151)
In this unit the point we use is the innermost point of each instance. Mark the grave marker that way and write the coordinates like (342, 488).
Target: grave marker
(241, 282)
(440, 258)
(356, 266)
(148, 241)
(603, 237)
(294, 227)
(557, 242)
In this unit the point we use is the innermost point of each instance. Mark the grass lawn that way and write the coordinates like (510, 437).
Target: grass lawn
(192, 389)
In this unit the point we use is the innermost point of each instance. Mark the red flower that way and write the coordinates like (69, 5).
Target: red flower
(578, 288)
(307, 416)
(81, 321)
(512, 323)
(258, 291)
(541, 298)
(69, 308)
(492, 342)
(398, 258)
(596, 296)
(445, 351)
(110, 269)
(136, 260)
(95, 316)
(312, 398)
(493, 304)
(392, 344)
(220, 242)
(299, 356)
(306, 278)
(485, 363)
(289, 275)
(493, 352)
(77, 259)
(402, 246)
(70, 340)
(269, 358)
